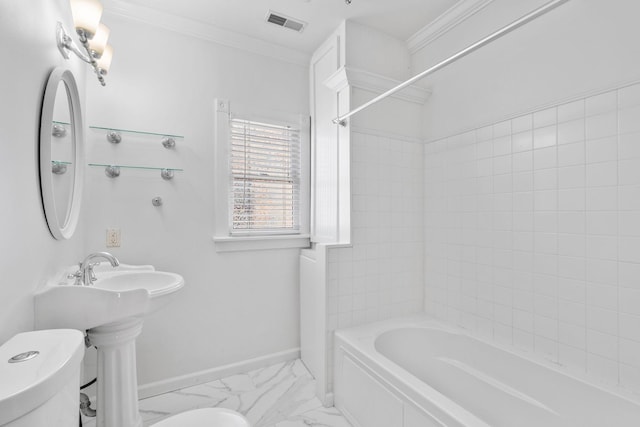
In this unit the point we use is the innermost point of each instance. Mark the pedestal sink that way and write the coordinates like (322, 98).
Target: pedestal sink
(112, 311)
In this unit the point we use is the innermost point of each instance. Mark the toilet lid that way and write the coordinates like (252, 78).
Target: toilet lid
(206, 417)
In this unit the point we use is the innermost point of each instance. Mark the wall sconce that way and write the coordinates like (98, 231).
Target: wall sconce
(92, 34)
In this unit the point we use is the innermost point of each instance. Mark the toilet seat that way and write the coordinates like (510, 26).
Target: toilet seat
(206, 417)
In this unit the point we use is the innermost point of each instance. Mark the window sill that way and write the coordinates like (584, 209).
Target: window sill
(259, 243)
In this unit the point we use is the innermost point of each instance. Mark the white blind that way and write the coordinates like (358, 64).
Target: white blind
(265, 184)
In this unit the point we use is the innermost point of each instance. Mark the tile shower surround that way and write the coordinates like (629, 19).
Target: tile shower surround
(532, 234)
(381, 274)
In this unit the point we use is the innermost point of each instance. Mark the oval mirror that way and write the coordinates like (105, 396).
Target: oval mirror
(61, 154)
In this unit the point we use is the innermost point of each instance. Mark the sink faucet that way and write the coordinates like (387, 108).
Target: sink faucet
(85, 276)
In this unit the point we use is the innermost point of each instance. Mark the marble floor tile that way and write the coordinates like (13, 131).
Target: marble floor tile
(280, 395)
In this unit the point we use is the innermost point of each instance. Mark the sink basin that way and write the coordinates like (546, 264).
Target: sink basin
(118, 293)
(160, 285)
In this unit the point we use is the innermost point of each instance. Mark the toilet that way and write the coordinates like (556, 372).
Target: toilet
(40, 387)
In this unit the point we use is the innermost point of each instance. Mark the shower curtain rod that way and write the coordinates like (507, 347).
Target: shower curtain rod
(341, 120)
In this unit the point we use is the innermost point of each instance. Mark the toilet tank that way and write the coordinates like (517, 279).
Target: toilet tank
(40, 379)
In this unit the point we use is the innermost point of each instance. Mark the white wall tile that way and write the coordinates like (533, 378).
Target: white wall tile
(572, 335)
(629, 146)
(629, 249)
(629, 172)
(571, 222)
(524, 123)
(502, 146)
(572, 199)
(545, 117)
(629, 327)
(628, 274)
(602, 199)
(544, 158)
(602, 174)
(571, 154)
(572, 176)
(522, 161)
(602, 150)
(601, 320)
(571, 245)
(571, 111)
(602, 223)
(502, 129)
(602, 247)
(524, 181)
(538, 242)
(601, 344)
(603, 296)
(601, 126)
(522, 141)
(571, 267)
(544, 137)
(546, 200)
(630, 120)
(571, 132)
(630, 301)
(630, 353)
(545, 179)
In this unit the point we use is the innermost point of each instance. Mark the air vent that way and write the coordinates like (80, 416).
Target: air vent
(284, 21)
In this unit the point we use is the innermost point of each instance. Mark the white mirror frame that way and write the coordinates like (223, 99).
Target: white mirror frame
(46, 182)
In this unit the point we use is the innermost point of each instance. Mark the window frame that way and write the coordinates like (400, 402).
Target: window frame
(225, 238)
(295, 182)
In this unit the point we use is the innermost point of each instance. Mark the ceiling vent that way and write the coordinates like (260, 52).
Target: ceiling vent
(284, 21)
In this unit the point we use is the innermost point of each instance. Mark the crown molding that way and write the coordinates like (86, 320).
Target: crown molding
(205, 32)
(365, 80)
(454, 16)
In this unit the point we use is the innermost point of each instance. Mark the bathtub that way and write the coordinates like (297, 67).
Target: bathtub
(418, 372)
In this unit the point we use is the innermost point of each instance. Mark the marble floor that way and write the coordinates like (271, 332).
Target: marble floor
(281, 395)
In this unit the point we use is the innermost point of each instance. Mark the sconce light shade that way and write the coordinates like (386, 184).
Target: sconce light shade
(99, 41)
(104, 62)
(86, 16)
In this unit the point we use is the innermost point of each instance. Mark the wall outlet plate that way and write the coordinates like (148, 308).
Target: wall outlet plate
(113, 237)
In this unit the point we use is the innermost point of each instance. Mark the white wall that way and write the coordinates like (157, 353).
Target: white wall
(29, 254)
(531, 222)
(235, 306)
(580, 46)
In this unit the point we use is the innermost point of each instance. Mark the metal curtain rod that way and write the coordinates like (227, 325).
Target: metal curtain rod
(464, 52)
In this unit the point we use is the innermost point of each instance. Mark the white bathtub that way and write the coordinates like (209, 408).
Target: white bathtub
(419, 372)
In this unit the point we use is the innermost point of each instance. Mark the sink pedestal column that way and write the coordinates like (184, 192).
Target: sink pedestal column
(117, 385)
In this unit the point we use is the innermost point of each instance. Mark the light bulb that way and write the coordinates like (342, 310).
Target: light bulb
(99, 41)
(86, 16)
(104, 62)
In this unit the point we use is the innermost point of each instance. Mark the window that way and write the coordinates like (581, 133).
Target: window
(265, 164)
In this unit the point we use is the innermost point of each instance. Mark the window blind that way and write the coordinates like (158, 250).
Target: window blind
(265, 184)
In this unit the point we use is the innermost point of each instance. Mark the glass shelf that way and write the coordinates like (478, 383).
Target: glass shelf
(135, 132)
(104, 165)
(58, 162)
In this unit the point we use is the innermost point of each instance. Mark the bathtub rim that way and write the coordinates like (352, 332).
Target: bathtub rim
(413, 390)
(359, 343)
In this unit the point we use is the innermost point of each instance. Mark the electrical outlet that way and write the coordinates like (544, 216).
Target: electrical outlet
(113, 237)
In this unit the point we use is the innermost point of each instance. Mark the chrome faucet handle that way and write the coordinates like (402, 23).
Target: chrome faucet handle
(77, 275)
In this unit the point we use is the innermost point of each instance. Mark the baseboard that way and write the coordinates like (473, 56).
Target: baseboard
(176, 383)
